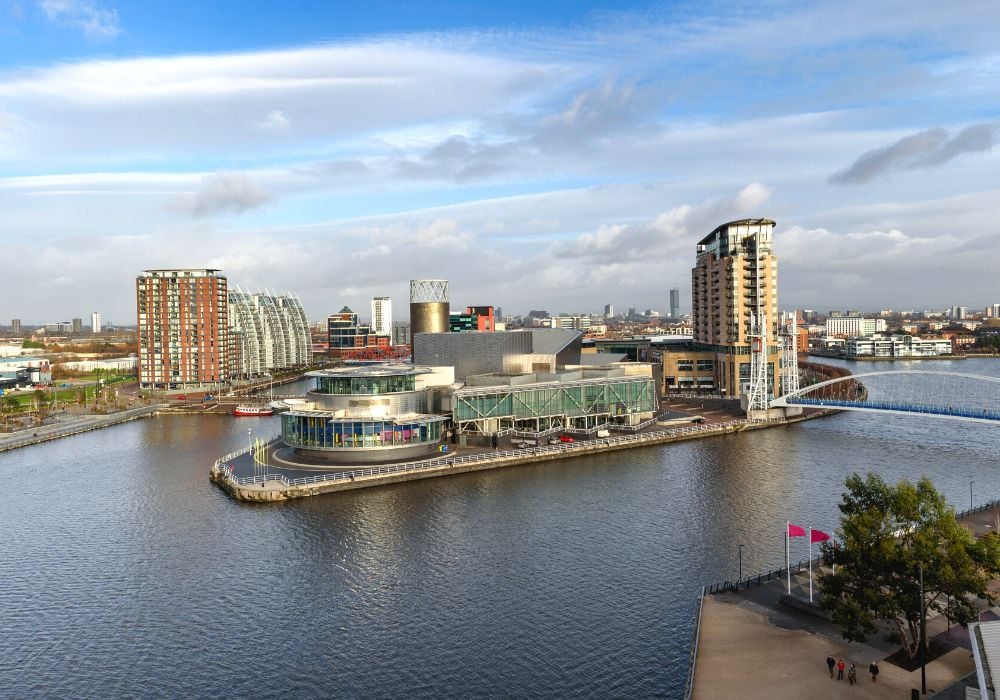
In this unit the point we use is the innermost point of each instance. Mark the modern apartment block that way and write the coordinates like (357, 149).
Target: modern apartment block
(735, 276)
(270, 332)
(675, 303)
(15, 326)
(95, 322)
(183, 328)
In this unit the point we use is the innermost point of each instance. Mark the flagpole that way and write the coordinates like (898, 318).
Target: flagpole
(788, 565)
(810, 565)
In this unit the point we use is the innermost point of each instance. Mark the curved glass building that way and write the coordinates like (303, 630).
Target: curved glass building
(368, 413)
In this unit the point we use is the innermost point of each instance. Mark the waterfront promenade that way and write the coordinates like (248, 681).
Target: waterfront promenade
(751, 645)
(66, 424)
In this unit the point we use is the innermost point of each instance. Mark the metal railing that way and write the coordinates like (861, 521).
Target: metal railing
(782, 572)
(978, 509)
(693, 656)
(222, 466)
(762, 578)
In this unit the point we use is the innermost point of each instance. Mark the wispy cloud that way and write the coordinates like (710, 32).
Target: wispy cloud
(920, 150)
(92, 20)
(276, 120)
(222, 193)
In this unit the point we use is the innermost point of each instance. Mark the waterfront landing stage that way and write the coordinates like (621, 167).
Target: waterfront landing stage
(237, 475)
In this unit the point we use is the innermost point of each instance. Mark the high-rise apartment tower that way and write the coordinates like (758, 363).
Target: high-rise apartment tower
(382, 316)
(183, 318)
(734, 300)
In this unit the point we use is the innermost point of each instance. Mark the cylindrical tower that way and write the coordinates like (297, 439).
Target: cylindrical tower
(429, 306)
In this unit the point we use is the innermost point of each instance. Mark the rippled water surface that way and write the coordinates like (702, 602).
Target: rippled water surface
(126, 573)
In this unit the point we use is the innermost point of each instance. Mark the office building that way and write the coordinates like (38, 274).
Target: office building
(77, 325)
(15, 326)
(382, 316)
(95, 322)
(675, 303)
(609, 311)
(348, 337)
(475, 318)
(182, 328)
(849, 326)
(269, 332)
(896, 346)
(429, 306)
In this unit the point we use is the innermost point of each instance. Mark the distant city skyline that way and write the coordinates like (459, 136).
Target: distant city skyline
(569, 155)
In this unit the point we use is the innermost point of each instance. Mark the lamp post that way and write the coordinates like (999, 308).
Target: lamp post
(971, 482)
(740, 577)
(923, 635)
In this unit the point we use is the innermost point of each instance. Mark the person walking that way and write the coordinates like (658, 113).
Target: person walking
(830, 663)
(873, 669)
(840, 670)
(852, 674)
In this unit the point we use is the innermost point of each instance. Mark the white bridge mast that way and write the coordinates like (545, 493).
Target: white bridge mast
(758, 396)
(789, 354)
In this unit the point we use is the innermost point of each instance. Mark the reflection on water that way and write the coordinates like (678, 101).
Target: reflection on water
(127, 573)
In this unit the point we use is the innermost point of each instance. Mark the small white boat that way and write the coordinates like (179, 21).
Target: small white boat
(253, 410)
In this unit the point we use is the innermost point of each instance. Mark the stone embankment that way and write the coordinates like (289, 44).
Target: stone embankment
(277, 487)
(72, 425)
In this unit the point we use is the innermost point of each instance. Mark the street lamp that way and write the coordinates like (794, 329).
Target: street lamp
(971, 482)
(741, 568)
(923, 635)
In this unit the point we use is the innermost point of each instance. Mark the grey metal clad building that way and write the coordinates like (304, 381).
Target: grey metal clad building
(514, 352)
(675, 303)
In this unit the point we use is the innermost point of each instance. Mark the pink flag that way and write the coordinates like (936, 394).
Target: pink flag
(818, 536)
(796, 531)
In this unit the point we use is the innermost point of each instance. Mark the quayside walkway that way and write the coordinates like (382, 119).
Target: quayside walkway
(66, 424)
(750, 645)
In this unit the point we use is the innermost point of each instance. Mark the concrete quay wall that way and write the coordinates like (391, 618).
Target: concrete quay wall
(73, 425)
(276, 490)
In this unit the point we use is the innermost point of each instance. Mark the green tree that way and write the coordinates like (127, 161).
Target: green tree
(887, 533)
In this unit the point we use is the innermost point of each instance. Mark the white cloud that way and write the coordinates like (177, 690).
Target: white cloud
(92, 20)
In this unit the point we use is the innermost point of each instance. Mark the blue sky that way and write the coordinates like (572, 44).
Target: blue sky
(559, 155)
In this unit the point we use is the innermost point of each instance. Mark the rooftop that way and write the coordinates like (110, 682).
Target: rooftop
(384, 369)
(738, 222)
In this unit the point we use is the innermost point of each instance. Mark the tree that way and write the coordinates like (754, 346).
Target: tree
(887, 533)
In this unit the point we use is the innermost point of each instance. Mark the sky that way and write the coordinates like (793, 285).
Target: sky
(560, 155)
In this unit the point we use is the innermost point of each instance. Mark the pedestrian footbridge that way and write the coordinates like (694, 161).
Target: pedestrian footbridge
(954, 395)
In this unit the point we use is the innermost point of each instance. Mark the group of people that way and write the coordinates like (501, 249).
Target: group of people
(852, 672)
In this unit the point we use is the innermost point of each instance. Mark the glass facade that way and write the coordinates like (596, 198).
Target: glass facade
(320, 431)
(514, 406)
(374, 384)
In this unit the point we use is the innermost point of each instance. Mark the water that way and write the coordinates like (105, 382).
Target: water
(126, 573)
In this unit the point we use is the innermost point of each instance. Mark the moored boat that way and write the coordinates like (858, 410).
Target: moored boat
(253, 410)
